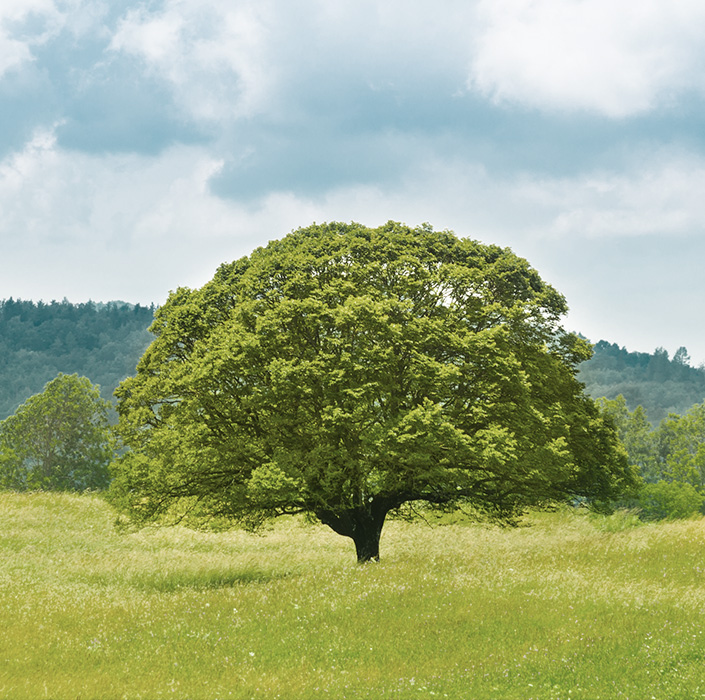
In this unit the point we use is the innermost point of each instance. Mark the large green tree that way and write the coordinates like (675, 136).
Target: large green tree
(344, 371)
(58, 439)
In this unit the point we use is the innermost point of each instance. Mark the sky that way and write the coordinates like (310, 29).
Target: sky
(143, 143)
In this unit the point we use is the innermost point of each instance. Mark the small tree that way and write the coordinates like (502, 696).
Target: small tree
(57, 440)
(345, 371)
(682, 446)
(636, 434)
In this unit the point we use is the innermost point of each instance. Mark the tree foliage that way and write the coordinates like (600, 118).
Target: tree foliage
(670, 500)
(345, 371)
(669, 458)
(58, 439)
(682, 447)
(38, 341)
(651, 380)
(637, 435)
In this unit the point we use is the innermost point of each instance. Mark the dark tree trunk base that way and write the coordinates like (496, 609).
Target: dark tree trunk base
(362, 524)
(367, 547)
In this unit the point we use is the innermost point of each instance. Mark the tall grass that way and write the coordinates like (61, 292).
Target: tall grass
(568, 606)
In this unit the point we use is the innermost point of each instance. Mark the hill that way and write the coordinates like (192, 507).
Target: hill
(37, 341)
(661, 385)
(105, 341)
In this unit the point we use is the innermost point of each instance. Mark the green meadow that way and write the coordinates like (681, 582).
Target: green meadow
(569, 605)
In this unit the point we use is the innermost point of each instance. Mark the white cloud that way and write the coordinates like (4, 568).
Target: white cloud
(656, 196)
(213, 53)
(132, 227)
(226, 59)
(14, 51)
(109, 226)
(613, 57)
(369, 84)
(27, 24)
(663, 196)
(87, 221)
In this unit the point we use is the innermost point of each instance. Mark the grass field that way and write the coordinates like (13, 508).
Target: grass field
(571, 606)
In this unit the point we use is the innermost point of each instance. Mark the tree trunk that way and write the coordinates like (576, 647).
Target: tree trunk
(366, 537)
(362, 524)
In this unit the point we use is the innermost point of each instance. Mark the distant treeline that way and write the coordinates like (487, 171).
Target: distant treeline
(105, 341)
(37, 341)
(661, 385)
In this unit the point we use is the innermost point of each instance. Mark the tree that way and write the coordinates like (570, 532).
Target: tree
(345, 371)
(58, 439)
(636, 434)
(670, 500)
(682, 357)
(661, 386)
(682, 447)
(37, 341)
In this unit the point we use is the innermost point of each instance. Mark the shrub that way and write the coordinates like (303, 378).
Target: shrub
(669, 500)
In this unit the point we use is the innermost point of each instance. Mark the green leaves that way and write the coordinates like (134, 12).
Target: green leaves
(345, 370)
(670, 500)
(270, 488)
(670, 458)
(57, 440)
(682, 442)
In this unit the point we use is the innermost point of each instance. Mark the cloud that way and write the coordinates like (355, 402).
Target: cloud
(142, 143)
(28, 25)
(99, 226)
(12, 53)
(96, 225)
(661, 195)
(288, 61)
(297, 97)
(269, 80)
(615, 59)
(134, 226)
(23, 25)
(212, 53)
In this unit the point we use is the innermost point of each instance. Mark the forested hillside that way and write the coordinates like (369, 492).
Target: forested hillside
(37, 341)
(661, 385)
(104, 342)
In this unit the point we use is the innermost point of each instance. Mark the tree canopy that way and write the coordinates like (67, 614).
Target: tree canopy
(670, 458)
(58, 439)
(659, 384)
(38, 341)
(344, 371)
